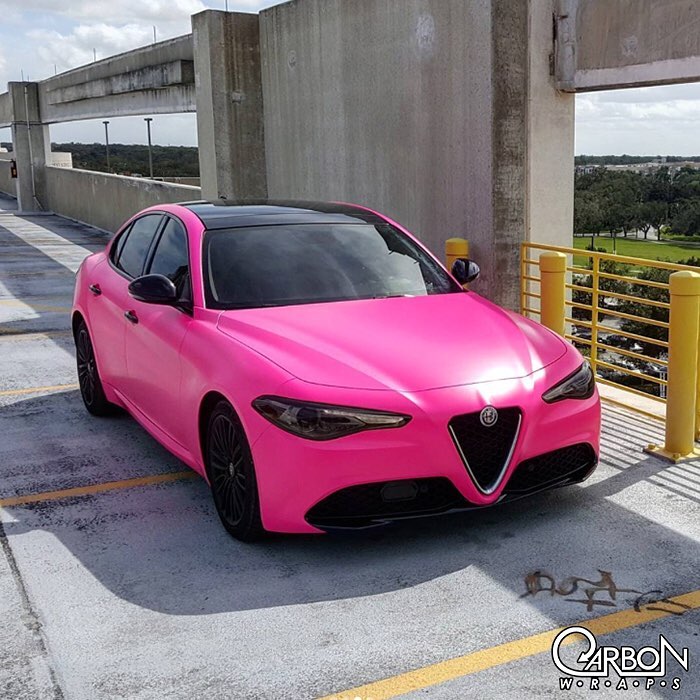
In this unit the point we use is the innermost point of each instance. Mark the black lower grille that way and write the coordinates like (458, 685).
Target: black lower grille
(358, 505)
(485, 450)
(569, 464)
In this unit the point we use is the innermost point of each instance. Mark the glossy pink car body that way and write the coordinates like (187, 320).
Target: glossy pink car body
(429, 357)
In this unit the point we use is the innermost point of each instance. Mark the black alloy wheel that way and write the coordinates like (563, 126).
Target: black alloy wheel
(88, 376)
(232, 474)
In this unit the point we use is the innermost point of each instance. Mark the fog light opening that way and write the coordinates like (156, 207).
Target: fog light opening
(399, 491)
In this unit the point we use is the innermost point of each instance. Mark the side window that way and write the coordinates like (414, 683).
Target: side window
(116, 250)
(171, 257)
(134, 250)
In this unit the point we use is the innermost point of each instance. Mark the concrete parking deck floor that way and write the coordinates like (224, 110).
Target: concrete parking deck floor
(133, 590)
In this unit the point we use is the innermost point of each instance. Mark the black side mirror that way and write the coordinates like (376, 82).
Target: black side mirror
(153, 289)
(465, 271)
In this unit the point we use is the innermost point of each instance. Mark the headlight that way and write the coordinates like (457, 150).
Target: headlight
(318, 421)
(579, 385)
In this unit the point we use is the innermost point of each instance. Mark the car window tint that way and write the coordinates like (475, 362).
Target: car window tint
(118, 245)
(309, 263)
(171, 258)
(134, 250)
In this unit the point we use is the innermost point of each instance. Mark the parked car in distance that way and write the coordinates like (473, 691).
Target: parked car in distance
(322, 370)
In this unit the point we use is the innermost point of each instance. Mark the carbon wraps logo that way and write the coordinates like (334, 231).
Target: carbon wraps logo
(646, 667)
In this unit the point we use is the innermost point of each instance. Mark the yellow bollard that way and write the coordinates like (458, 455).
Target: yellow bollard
(455, 248)
(697, 404)
(681, 400)
(553, 291)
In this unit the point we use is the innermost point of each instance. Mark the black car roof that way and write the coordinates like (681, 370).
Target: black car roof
(228, 214)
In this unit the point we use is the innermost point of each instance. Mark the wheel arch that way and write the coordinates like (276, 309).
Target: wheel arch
(76, 319)
(206, 406)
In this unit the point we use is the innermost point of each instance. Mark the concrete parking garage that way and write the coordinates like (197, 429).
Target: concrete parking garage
(117, 580)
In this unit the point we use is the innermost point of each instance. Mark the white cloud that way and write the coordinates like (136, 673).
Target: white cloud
(112, 11)
(50, 35)
(46, 35)
(67, 51)
(644, 121)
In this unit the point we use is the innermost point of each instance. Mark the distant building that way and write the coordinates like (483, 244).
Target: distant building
(60, 159)
(643, 168)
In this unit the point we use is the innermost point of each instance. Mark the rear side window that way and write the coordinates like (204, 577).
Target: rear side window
(171, 257)
(133, 251)
(117, 247)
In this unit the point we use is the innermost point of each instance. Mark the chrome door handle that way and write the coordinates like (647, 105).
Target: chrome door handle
(95, 289)
(131, 316)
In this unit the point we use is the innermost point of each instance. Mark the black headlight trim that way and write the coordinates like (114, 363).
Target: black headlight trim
(262, 404)
(558, 391)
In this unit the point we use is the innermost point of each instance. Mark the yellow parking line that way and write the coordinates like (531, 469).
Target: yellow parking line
(34, 307)
(10, 333)
(96, 488)
(511, 651)
(38, 389)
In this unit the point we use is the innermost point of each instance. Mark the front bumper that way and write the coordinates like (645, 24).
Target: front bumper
(378, 503)
(298, 478)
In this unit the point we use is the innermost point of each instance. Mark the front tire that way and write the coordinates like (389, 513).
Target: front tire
(88, 376)
(232, 475)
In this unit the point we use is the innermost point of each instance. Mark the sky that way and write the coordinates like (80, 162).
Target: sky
(40, 37)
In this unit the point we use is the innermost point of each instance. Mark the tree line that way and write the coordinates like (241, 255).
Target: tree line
(130, 159)
(623, 201)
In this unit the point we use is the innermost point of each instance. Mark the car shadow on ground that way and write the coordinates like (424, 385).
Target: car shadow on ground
(161, 547)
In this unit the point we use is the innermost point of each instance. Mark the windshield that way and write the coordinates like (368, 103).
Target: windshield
(289, 264)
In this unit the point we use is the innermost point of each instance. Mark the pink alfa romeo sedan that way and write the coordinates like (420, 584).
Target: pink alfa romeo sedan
(322, 370)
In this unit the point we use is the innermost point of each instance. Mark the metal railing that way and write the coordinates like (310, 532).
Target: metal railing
(637, 320)
(619, 311)
(606, 320)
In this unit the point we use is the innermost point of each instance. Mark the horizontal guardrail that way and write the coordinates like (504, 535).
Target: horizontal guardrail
(637, 320)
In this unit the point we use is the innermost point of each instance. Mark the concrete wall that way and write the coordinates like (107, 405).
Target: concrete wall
(106, 201)
(440, 113)
(229, 105)
(387, 103)
(191, 181)
(7, 184)
(5, 110)
(624, 43)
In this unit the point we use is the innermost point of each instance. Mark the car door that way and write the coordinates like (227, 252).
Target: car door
(156, 333)
(109, 295)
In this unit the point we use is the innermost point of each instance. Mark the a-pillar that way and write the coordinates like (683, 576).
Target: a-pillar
(31, 145)
(229, 105)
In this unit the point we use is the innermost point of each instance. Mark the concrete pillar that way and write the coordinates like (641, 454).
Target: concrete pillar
(510, 76)
(533, 141)
(551, 136)
(229, 105)
(31, 145)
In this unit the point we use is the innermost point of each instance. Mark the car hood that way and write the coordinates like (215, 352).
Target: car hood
(404, 344)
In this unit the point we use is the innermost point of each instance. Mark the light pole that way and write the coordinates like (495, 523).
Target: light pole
(148, 121)
(107, 143)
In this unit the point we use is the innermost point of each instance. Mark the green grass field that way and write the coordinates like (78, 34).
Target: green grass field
(635, 248)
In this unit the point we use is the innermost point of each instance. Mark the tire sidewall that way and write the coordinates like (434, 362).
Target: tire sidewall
(249, 528)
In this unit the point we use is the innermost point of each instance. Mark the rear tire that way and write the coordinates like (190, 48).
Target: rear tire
(88, 375)
(232, 475)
